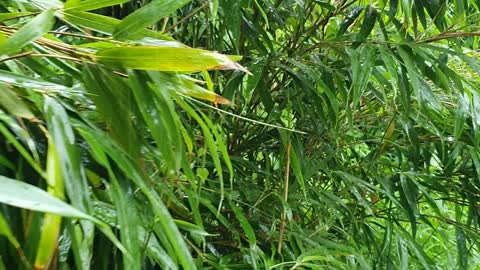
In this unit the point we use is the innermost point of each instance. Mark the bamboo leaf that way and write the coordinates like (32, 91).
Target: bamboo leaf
(13, 104)
(85, 5)
(247, 228)
(367, 25)
(21, 194)
(106, 25)
(44, 4)
(146, 16)
(29, 82)
(51, 223)
(30, 32)
(158, 207)
(7, 232)
(13, 15)
(165, 59)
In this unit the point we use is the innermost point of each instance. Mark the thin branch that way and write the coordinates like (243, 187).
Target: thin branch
(20, 55)
(56, 56)
(449, 36)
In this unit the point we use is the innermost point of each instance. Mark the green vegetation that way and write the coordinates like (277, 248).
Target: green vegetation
(133, 135)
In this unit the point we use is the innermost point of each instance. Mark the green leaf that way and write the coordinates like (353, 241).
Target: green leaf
(187, 86)
(424, 259)
(64, 139)
(133, 173)
(192, 228)
(19, 147)
(128, 220)
(13, 104)
(30, 32)
(48, 240)
(160, 117)
(410, 192)
(165, 59)
(233, 21)
(13, 15)
(73, 173)
(146, 16)
(85, 5)
(29, 82)
(352, 15)
(247, 228)
(23, 195)
(363, 60)
(367, 25)
(7, 232)
(106, 25)
(51, 223)
(44, 4)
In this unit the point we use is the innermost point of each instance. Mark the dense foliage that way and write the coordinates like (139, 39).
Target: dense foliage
(132, 136)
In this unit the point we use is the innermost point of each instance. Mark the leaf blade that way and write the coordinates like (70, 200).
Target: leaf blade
(165, 59)
(30, 32)
(146, 16)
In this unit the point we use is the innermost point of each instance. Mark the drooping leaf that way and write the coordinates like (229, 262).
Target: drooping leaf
(165, 59)
(30, 32)
(21, 194)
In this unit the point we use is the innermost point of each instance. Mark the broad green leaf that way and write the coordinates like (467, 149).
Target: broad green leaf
(165, 59)
(86, 5)
(30, 32)
(96, 22)
(147, 15)
(409, 194)
(102, 85)
(23, 195)
(20, 194)
(13, 104)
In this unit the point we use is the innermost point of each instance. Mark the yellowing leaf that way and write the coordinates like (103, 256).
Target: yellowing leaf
(166, 59)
